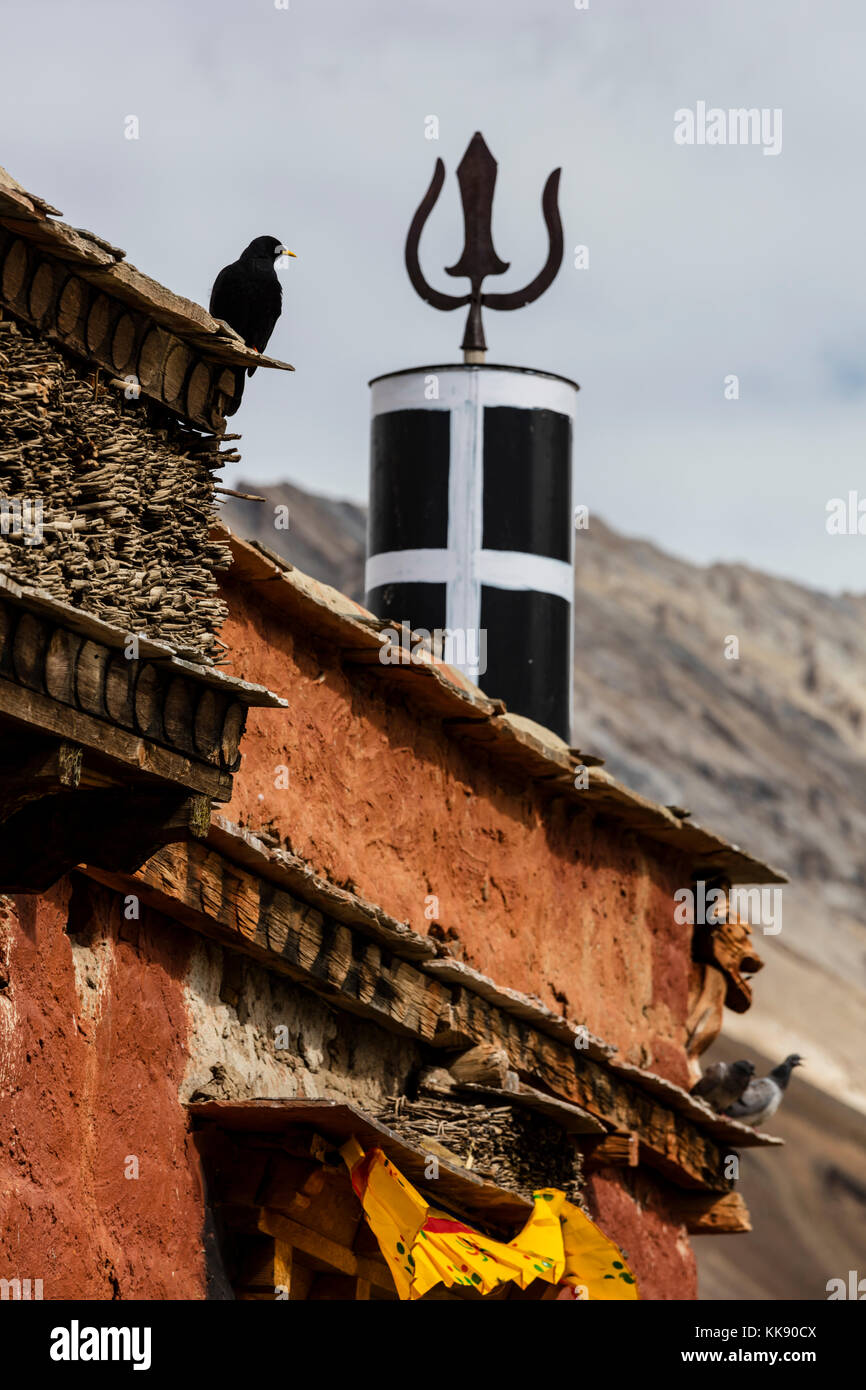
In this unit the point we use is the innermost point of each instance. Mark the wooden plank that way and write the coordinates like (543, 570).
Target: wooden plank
(88, 625)
(520, 1005)
(455, 1188)
(295, 875)
(302, 1278)
(320, 1198)
(484, 1065)
(702, 1214)
(161, 699)
(29, 708)
(282, 1268)
(437, 1082)
(614, 1151)
(317, 1247)
(719, 1126)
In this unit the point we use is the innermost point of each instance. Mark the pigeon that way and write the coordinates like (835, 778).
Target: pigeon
(248, 296)
(723, 1083)
(762, 1098)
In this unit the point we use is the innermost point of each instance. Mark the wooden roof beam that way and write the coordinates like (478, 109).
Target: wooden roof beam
(194, 885)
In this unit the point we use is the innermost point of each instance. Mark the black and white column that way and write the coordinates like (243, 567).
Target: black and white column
(470, 526)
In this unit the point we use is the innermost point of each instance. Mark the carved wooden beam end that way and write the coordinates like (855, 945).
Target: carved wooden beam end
(140, 696)
(47, 293)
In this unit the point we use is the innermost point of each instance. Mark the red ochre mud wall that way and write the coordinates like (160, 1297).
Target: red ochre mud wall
(95, 1037)
(92, 1051)
(377, 797)
(95, 1033)
(631, 1211)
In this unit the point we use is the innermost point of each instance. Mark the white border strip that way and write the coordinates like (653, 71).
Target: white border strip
(455, 386)
(409, 567)
(501, 569)
(514, 569)
(463, 605)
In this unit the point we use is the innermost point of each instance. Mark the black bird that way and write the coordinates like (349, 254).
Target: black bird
(248, 295)
(723, 1083)
(762, 1098)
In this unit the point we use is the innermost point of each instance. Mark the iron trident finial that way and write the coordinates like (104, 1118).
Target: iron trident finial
(476, 174)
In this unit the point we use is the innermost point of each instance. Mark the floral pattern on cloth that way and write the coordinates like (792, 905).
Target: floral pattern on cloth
(424, 1247)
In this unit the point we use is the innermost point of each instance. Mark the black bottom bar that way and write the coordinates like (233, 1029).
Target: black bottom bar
(251, 1344)
(528, 651)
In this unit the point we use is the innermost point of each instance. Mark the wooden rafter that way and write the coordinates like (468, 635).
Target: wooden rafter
(65, 682)
(200, 888)
(81, 296)
(704, 1214)
(103, 759)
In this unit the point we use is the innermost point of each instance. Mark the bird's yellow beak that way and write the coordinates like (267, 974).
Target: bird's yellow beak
(286, 252)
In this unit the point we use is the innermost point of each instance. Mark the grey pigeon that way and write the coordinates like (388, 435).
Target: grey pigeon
(762, 1098)
(723, 1083)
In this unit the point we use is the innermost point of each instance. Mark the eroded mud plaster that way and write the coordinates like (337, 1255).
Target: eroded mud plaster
(268, 1037)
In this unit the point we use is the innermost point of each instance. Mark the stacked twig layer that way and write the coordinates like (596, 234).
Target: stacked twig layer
(516, 1149)
(126, 494)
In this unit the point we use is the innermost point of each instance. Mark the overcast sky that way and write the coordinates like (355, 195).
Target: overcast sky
(309, 124)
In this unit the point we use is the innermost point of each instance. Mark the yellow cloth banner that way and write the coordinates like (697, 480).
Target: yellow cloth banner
(424, 1247)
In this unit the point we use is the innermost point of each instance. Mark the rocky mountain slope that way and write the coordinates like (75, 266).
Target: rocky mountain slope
(769, 748)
